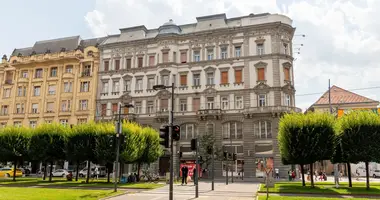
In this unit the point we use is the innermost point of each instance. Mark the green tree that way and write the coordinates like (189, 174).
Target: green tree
(47, 144)
(87, 134)
(206, 143)
(359, 133)
(305, 139)
(14, 144)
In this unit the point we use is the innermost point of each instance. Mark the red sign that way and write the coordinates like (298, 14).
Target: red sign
(190, 164)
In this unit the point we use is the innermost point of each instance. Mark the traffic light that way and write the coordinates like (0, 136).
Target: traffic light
(180, 154)
(193, 144)
(234, 157)
(164, 135)
(176, 132)
(225, 155)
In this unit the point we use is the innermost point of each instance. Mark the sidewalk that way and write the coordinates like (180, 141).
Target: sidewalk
(320, 195)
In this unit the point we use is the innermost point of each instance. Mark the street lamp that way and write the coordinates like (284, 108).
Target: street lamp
(163, 87)
(118, 133)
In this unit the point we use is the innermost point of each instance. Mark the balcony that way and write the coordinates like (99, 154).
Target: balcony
(115, 93)
(205, 114)
(18, 115)
(162, 115)
(86, 74)
(68, 75)
(8, 82)
(274, 110)
(49, 113)
(23, 80)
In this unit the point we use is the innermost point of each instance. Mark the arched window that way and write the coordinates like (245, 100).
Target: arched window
(90, 53)
(263, 129)
(189, 131)
(232, 129)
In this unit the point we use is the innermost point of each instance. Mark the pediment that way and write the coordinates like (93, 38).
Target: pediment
(210, 91)
(210, 69)
(287, 64)
(126, 97)
(262, 86)
(261, 64)
(288, 88)
(165, 71)
(127, 76)
(163, 93)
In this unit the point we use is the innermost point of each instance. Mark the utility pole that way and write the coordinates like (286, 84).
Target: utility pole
(118, 133)
(226, 167)
(336, 179)
(196, 169)
(171, 145)
(213, 167)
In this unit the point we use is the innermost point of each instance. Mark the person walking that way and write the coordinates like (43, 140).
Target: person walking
(195, 174)
(96, 173)
(184, 170)
(277, 171)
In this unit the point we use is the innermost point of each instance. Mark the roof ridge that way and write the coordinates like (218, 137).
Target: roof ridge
(57, 39)
(352, 92)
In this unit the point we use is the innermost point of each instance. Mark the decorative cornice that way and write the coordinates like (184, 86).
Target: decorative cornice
(261, 64)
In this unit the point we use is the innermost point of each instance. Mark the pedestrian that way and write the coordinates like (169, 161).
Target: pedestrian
(293, 175)
(277, 173)
(96, 173)
(184, 170)
(316, 175)
(195, 174)
(340, 175)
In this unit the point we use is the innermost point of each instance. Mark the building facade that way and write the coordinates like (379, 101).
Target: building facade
(53, 81)
(233, 78)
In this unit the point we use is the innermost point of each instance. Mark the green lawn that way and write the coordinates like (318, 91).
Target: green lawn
(322, 187)
(300, 198)
(61, 182)
(17, 193)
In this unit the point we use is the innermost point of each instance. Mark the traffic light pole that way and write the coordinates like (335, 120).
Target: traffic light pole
(117, 149)
(196, 169)
(232, 160)
(213, 168)
(171, 145)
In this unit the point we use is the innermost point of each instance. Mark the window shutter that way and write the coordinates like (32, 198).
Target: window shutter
(151, 60)
(261, 74)
(183, 57)
(224, 77)
(114, 107)
(196, 104)
(165, 57)
(238, 78)
(117, 64)
(287, 74)
(183, 80)
(104, 109)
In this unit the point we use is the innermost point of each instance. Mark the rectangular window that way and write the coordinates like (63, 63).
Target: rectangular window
(183, 80)
(69, 69)
(105, 87)
(53, 72)
(129, 63)
(260, 49)
(210, 78)
(165, 57)
(52, 89)
(210, 54)
(35, 108)
(196, 104)
(261, 74)
(286, 74)
(196, 79)
(237, 51)
(286, 48)
(165, 80)
(210, 102)
(17, 124)
(50, 107)
(262, 100)
(83, 104)
(7, 93)
(66, 105)
(116, 86)
(224, 77)
(238, 76)
(150, 83)
(183, 57)
(106, 65)
(19, 108)
(64, 122)
(127, 85)
(225, 103)
(183, 105)
(86, 71)
(82, 121)
(150, 108)
(114, 108)
(139, 84)
(4, 110)
(24, 74)
(38, 73)
(287, 100)
(164, 104)
(138, 108)
(197, 56)
(19, 91)
(68, 87)
(151, 61)
(104, 110)
(32, 124)
(117, 64)
(238, 102)
(85, 86)
(140, 62)
(223, 52)
(37, 91)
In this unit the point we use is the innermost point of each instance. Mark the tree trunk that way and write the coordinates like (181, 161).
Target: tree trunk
(77, 174)
(138, 172)
(51, 171)
(367, 175)
(109, 167)
(121, 170)
(349, 175)
(14, 170)
(45, 171)
(88, 171)
(303, 177)
(311, 176)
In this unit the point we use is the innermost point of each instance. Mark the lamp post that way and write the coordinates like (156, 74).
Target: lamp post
(118, 133)
(163, 87)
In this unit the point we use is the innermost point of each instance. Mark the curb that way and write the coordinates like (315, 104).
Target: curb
(116, 195)
(320, 194)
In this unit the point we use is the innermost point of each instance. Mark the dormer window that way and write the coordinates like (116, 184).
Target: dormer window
(90, 53)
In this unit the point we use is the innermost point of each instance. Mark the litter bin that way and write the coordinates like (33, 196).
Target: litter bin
(290, 177)
(123, 179)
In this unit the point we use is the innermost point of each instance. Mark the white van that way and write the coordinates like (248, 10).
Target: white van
(102, 171)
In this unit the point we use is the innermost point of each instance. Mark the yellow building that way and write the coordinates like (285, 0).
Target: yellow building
(53, 81)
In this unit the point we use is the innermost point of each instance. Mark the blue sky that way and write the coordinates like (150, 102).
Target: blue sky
(342, 36)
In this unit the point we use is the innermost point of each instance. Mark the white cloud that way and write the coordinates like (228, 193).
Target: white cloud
(342, 37)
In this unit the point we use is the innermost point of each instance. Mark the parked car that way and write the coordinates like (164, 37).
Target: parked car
(102, 171)
(8, 172)
(376, 173)
(60, 173)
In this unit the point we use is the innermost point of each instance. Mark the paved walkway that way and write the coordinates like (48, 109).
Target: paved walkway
(321, 195)
(232, 191)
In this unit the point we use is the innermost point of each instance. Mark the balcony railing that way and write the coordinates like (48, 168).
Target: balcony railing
(86, 74)
(265, 109)
(9, 82)
(207, 113)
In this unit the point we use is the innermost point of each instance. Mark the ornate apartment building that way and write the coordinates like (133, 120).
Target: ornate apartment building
(53, 81)
(233, 78)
